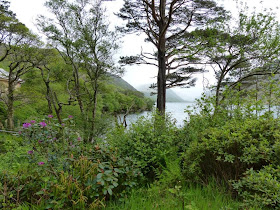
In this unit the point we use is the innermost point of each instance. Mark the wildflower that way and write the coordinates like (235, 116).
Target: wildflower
(62, 125)
(70, 116)
(79, 138)
(54, 138)
(50, 116)
(26, 125)
(32, 121)
(30, 152)
(40, 141)
(43, 124)
(41, 163)
(19, 132)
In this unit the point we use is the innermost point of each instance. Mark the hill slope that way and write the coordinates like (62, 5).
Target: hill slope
(119, 82)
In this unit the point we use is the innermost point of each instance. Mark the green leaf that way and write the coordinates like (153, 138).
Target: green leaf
(40, 192)
(115, 184)
(99, 176)
(110, 191)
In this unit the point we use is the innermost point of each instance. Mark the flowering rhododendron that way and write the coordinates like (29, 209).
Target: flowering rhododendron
(26, 125)
(43, 124)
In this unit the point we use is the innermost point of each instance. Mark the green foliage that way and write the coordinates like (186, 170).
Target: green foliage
(260, 187)
(59, 171)
(150, 141)
(228, 151)
(12, 153)
(119, 100)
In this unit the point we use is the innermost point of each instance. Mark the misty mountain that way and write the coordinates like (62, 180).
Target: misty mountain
(171, 96)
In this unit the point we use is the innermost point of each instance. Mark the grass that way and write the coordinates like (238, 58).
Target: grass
(12, 153)
(192, 197)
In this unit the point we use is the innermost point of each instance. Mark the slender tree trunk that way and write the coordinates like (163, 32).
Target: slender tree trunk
(77, 88)
(48, 96)
(270, 96)
(257, 94)
(94, 112)
(217, 102)
(48, 88)
(10, 106)
(56, 105)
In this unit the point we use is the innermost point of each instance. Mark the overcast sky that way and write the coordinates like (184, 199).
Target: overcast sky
(28, 10)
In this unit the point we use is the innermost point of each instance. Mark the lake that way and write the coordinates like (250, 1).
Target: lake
(176, 109)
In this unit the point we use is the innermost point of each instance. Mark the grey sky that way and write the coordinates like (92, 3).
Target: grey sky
(28, 10)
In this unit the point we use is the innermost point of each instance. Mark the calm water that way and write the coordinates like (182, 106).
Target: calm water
(176, 109)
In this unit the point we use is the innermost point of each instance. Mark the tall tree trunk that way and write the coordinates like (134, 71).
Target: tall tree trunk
(161, 79)
(10, 106)
(161, 83)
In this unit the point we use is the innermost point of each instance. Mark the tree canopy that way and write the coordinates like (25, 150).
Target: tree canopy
(166, 25)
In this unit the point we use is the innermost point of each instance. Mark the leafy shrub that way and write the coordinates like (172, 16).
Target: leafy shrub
(12, 153)
(261, 188)
(62, 171)
(227, 152)
(149, 141)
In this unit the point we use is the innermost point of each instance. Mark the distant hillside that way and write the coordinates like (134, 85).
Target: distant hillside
(119, 82)
(171, 96)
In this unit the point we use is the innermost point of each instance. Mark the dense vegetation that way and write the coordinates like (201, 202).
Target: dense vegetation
(64, 150)
(229, 159)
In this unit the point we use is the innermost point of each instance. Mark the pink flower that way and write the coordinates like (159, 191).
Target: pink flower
(79, 138)
(30, 152)
(43, 124)
(32, 121)
(26, 125)
(41, 163)
(50, 116)
(40, 141)
(19, 132)
(62, 125)
(70, 116)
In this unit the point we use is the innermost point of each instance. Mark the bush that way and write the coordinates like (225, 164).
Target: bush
(63, 172)
(149, 141)
(227, 152)
(261, 188)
